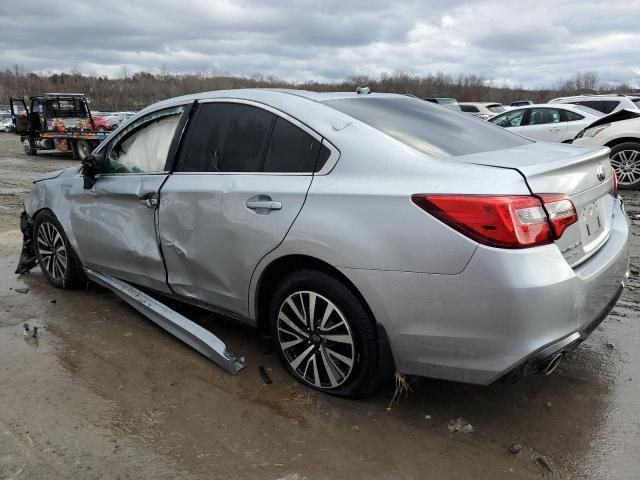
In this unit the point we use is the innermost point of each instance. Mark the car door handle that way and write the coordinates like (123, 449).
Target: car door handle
(150, 199)
(267, 204)
(263, 203)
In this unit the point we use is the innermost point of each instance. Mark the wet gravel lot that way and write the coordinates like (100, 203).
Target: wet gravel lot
(103, 393)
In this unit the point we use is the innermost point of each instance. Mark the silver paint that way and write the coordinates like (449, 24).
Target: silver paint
(451, 308)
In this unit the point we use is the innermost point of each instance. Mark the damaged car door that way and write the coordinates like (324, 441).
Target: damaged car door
(114, 221)
(241, 179)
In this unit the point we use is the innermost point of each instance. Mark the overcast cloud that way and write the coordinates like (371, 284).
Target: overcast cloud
(534, 43)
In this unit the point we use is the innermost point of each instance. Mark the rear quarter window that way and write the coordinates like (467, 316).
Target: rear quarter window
(435, 131)
(291, 149)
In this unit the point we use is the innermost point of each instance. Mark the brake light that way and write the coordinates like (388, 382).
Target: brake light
(503, 221)
(614, 179)
(561, 212)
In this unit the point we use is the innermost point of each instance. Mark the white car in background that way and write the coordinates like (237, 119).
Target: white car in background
(547, 123)
(483, 110)
(620, 131)
(603, 103)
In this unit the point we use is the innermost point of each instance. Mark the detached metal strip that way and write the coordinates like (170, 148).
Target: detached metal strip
(191, 333)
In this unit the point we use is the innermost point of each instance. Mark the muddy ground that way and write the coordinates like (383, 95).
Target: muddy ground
(103, 393)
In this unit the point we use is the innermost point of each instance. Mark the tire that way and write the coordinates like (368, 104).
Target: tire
(625, 160)
(84, 149)
(337, 354)
(28, 146)
(55, 256)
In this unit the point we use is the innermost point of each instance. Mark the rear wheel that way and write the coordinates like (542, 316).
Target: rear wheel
(84, 149)
(55, 256)
(625, 160)
(324, 335)
(28, 146)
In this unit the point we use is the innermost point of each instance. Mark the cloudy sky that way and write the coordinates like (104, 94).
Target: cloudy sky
(533, 43)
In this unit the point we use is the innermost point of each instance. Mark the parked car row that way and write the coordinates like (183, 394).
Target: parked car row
(107, 121)
(581, 119)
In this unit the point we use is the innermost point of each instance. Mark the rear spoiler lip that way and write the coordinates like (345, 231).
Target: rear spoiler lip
(596, 153)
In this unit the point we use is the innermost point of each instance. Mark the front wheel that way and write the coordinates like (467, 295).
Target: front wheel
(324, 335)
(55, 256)
(625, 160)
(29, 146)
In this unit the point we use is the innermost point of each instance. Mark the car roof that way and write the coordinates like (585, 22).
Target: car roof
(563, 106)
(267, 94)
(616, 97)
(302, 105)
(484, 104)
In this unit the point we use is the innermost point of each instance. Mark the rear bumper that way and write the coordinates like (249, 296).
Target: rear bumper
(501, 312)
(539, 360)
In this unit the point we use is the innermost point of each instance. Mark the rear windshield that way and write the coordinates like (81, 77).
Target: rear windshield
(591, 111)
(496, 108)
(604, 106)
(65, 107)
(433, 130)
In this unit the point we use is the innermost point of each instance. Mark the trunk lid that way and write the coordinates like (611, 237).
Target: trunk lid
(582, 173)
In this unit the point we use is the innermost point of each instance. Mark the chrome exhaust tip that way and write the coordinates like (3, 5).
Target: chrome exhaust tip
(552, 364)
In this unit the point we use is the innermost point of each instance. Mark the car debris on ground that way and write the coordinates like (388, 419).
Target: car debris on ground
(460, 425)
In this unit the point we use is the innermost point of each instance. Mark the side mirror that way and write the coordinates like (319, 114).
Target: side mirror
(92, 165)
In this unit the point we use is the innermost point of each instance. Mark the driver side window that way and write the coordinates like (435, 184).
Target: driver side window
(509, 119)
(143, 146)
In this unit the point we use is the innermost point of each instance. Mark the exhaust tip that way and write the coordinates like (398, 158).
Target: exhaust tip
(552, 364)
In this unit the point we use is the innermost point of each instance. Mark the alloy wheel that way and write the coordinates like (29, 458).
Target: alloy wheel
(626, 163)
(316, 339)
(52, 251)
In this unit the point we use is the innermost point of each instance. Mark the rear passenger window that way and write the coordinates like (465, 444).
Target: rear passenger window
(291, 149)
(568, 116)
(226, 137)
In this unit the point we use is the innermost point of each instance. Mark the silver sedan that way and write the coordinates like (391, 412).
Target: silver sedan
(364, 233)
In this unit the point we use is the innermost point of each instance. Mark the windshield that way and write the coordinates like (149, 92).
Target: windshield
(496, 108)
(438, 132)
(589, 110)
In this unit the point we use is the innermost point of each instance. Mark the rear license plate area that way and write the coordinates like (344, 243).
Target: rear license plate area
(591, 221)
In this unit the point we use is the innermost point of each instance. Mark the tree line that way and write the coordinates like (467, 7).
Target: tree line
(137, 90)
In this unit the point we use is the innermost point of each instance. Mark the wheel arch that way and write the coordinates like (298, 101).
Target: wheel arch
(279, 268)
(617, 141)
(282, 266)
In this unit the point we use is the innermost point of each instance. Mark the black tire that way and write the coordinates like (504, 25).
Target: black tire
(625, 159)
(28, 146)
(325, 362)
(84, 148)
(62, 270)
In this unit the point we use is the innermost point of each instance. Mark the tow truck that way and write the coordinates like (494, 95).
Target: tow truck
(59, 121)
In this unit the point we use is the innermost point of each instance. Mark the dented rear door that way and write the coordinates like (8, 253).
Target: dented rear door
(241, 180)
(211, 237)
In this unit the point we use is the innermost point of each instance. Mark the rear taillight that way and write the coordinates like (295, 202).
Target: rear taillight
(560, 211)
(504, 221)
(614, 180)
